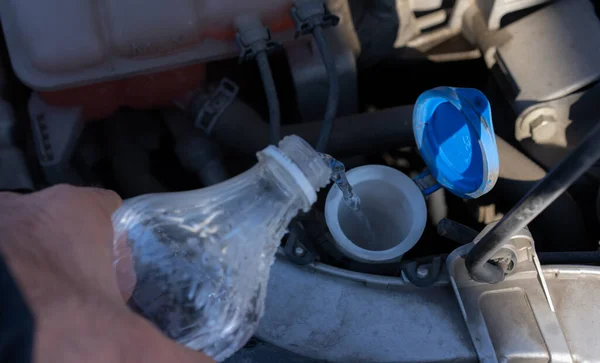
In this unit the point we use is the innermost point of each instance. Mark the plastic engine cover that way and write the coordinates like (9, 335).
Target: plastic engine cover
(65, 43)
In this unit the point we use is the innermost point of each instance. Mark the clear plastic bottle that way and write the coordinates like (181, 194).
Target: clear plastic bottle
(202, 258)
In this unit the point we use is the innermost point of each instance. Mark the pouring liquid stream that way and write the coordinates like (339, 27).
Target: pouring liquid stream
(350, 198)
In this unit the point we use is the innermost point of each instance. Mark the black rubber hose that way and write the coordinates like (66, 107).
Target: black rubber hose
(272, 98)
(132, 173)
(540, 197)
(334, 89)
(196, 152)
(130, 160)
(242, 129)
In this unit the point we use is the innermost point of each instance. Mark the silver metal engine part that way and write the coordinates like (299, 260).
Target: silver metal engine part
(552, 52)
(571, 118)
(543, 56)
(494, 10)
(326, 313)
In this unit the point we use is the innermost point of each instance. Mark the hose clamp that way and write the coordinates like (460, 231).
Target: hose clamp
(254, 39)
(309, 14)
(214, 107)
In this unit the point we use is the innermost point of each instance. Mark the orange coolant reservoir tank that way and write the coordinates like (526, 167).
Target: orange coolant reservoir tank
(102, 54)
(148, 91)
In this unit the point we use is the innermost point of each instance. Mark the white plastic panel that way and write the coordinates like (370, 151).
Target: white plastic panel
(64, 43)
(157, 29)
(56, 43)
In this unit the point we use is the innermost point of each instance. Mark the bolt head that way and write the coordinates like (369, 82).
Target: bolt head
(299, 251)
(543, 128)
(423, 271)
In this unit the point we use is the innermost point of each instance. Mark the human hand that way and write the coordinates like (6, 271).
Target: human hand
(57, 244)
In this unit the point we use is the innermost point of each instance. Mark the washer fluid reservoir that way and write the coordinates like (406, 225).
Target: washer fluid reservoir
(455, 136)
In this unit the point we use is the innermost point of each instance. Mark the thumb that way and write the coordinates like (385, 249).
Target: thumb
(107, 200)
(124, 269)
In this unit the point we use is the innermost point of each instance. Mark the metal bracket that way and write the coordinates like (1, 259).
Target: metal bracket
(214, 107)
(520, 306)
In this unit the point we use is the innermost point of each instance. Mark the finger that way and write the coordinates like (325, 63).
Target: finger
(81, 217)
(125, 273)
(107, 200)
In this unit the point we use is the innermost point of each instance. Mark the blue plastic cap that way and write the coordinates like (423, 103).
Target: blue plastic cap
(455, 136)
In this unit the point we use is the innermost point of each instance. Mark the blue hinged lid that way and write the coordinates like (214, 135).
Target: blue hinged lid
(455, 136)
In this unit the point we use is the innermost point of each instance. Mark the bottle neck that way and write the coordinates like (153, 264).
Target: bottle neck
(289, 175)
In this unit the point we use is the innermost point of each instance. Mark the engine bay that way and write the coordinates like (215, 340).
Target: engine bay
(182, 96)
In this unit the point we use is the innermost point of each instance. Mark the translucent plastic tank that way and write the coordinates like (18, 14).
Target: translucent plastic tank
(202, 258)
(63, 43)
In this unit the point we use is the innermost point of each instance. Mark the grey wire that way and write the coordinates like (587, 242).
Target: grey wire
(272, 99)
(334, 89)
